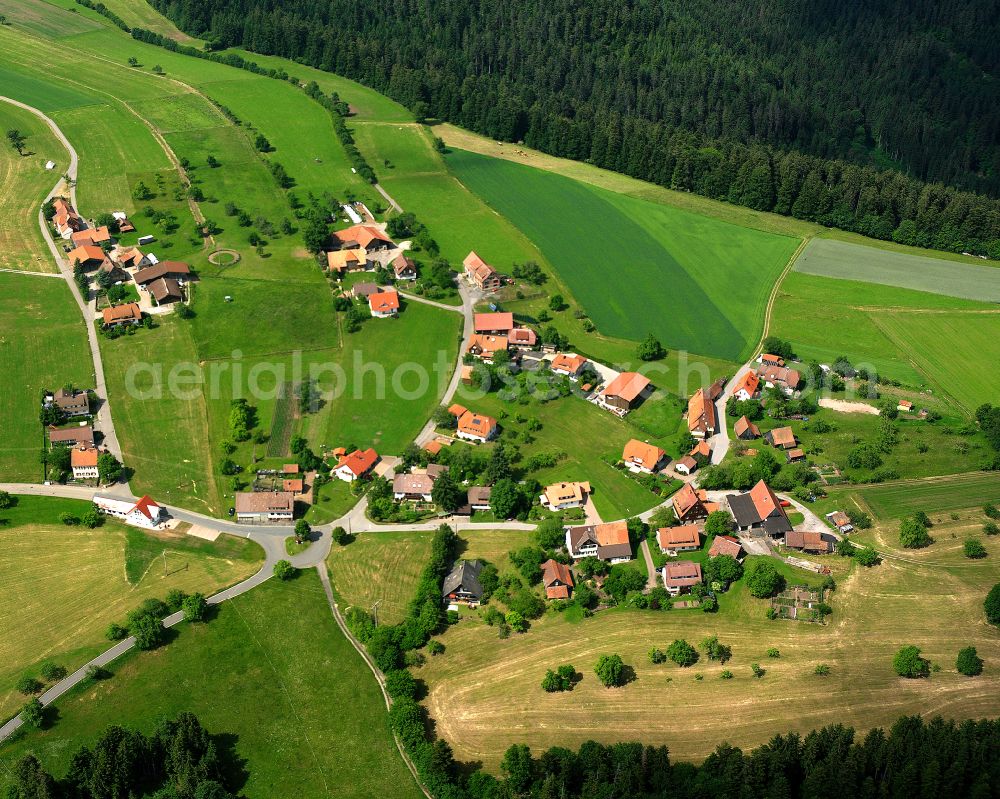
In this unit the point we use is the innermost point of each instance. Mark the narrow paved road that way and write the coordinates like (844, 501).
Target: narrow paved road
(720, 441)
(650, 566)
(103, 415)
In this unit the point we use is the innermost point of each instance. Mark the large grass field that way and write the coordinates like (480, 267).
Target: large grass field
(24, 182)
(953, 349)
(957, 492)
(708, 281)
(825, 318)
(485, 693)
(972, 280)
(64, 585)
(274, 673)
(43, 345)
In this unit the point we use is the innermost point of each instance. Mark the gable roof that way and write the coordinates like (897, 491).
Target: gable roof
(681, 573)
(476, 424)
(122, 313)
(85, 253)
(84, 456)
(465, 575)
(91, 235)
(701, 412)
(780, 375)
(686, 535)
(265, 501)
(765, 500)
(362, 234)
(555, 572)
(165, 288)
(782, 437)
(486, 344)
(384, 301)
(412, 483)
(360, 461)
(687, 499)
(560, 493)
(568, 362)
(488, 322)
(80, 434)
(628, 386)
(641, 453)
(401, 264)
(806, 539)
(163, 269)
(725, 545)
(701, 450)
(611, 538)
(750, 383)
(744, 425)
(473, 263)
(339, 260)
(147, 507)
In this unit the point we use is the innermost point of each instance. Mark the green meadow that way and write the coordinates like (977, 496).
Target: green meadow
(934, 495)
(297, 706)
(43, 345)
(697, 283)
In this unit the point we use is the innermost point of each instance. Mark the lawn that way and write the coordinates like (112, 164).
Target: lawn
(825, 318)
(972, 280)
(64, 585)
(272, 672)
(24, 182)
(380, 567)
(485, 695)
(708, 280)
(583, 435)
(43, 345)
(958, 351)
(932, 495)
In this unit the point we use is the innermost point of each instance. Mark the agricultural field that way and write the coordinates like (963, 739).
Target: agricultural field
(971, 280)
(809, 309)
(379, 567)
(64, 585)
(43, 345)
(485, 695)
(709, 281)
(953, 350)
(24, 183)
(931, 495)
(304, 718)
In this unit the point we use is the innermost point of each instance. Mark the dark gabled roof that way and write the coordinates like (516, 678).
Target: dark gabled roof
(776, 525)
(465, 576)
(744, 511)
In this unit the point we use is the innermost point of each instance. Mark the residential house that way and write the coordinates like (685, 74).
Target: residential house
(364, 290)
(65, 219)
(624, 392)
(523, 338)
(701, 452)
(432, 447)
(341, 261)
(415, 487)
(290, 468)
(726, 545)
(684, 538)
(479, 498)
(476, 427)
(118, 315)
(356, 465)
(97, 236)
(702, 419)
(808, 541)
(560, 496)
(904, 405)
(72, 402)
(782, 437)
(176, 270)
(796, 455)
(265, 507)
(124, 225)
(88, 256)
(686, 465)
(771, 360)
(746, 430)
(759, 510)
(786, 379)
(166, 290)
(79, 435)
(113, 271)
(748, 387)
(608, 542)
(366, 237)
(384, 304)
(679, 576)
(130, 258)
(642, 457)
(716, 390)
(498, 323)
(83, 461)
(462, 583)
(145, 513)
(294, 485)
(480, 274)
(403, 268)
(568, 364)
(557, 579)
(841, 521)
(484, 346)
(692, 503)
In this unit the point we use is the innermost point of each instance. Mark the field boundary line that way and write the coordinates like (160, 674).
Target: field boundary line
(769, 308)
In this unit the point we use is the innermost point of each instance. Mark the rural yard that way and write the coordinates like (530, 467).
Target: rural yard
(371, 430)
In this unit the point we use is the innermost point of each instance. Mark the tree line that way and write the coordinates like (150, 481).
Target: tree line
(835, 113)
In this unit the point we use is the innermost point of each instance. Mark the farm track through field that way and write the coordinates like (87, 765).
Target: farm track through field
(768, 310)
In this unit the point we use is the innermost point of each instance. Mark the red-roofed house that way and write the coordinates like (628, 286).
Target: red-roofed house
(786, 379)
(89, 256)
(366, 237)
(685, 538)
(117, 315)
(384, 304)
(557, 579)
(481, 274)
(97, 235)
(624, 392)
(701, 417)
(759, 509)
(144, 513)
(403, 268)
(484, 346)
(356, 465)
(691, 503)
(726, 545)
(500, 323)
(476, 427)
(567, 364)
(748, 387)
(680, 575)
(746, 430)
(642, 457)
(523, 338)
(83, 461)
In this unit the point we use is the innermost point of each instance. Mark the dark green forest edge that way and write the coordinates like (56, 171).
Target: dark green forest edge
(880, 118)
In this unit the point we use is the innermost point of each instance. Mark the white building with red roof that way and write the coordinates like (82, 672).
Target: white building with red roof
(144, 513)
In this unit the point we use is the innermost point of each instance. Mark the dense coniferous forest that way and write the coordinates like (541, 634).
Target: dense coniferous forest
(881, 117)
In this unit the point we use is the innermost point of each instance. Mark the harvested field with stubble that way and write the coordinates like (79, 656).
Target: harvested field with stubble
(485, 693)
